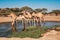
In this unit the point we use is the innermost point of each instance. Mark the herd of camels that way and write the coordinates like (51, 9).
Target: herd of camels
(27, 17)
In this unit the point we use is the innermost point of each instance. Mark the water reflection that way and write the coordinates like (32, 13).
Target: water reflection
(19, 25)
(5, 27)
(51, 24)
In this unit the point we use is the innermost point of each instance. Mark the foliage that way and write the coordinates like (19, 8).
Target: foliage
(56, 12)
(6, 11)
(38, 10)
(26, 8)
(32, 32)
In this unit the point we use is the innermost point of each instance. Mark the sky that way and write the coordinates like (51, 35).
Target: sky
(49, 4)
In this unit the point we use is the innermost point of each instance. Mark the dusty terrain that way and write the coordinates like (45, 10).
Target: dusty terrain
(52, 18)
(51, 35)
(5, 19)
(46, 18)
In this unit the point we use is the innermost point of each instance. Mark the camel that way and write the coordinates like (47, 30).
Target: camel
(34, 18)
(28, 16)
(24, 18)
(20, 17)
(41, 17)
(13, 16)
(38, 17)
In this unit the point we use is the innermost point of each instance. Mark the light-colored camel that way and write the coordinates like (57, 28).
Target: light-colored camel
(13, 16)
(20, 17)
(23, 19)
(34, 18)
(41, 16)
(38, 17)
(27, 15)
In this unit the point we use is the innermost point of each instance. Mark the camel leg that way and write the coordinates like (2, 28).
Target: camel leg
(33, 22)
(13, 26)
(38, 23)
(29, 22)
(42, 21)
(24, 24)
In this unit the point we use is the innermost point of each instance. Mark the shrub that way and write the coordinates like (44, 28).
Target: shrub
(32, 32)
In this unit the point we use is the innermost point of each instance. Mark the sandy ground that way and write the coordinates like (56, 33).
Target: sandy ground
(46, 18)
(52, 18)
(5, 19)
(51, 35)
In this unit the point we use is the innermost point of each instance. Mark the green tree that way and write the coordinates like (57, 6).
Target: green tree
(56, 12)
(44, 10)
(38, 10)
(26, 8)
